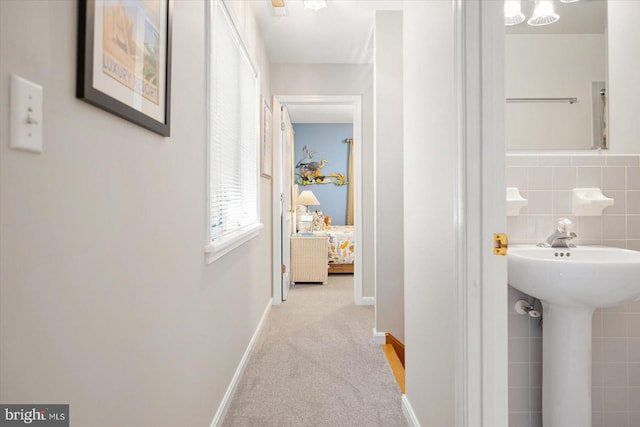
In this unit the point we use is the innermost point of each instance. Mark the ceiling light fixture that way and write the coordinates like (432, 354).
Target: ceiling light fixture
(314, 4)
(543, 13)
(277, 8)
(513, 12)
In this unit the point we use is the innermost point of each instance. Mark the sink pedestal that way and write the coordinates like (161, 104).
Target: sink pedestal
(566, 369)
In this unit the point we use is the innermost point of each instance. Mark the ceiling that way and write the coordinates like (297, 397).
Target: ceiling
(340, 34)
(343, 34)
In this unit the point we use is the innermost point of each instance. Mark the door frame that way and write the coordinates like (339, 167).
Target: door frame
(286, 128)
(356, 102)
(481, 344)
(480, 348)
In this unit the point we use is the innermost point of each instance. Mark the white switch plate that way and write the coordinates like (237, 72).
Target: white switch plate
(26, 115)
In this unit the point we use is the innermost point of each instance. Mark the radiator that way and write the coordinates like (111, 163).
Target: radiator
(309, 259)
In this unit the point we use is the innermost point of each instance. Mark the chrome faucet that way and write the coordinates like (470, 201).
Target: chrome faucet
(562, 237)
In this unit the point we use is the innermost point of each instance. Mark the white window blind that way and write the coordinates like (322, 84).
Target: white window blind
(233, 132)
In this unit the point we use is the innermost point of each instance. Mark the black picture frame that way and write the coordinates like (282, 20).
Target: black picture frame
(119, 83)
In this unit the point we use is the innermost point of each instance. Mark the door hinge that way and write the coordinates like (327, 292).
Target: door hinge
(283, 126)
(500, 244)
(283, 268)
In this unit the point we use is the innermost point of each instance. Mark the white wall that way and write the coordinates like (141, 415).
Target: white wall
(552, 66)
(387, 76)
(105, 299)
(624, 83)
(341, 79)
(429, 239)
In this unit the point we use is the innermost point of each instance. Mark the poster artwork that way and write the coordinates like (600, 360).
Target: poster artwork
(131, 45)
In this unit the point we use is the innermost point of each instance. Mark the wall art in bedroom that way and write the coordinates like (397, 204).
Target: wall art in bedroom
(309, 170)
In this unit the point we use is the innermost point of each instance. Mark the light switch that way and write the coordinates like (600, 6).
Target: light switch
(26, 115)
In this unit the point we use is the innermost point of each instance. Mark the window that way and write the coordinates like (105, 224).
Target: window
(233, 132)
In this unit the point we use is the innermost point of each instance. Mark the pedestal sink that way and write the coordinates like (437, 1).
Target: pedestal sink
(571, 283)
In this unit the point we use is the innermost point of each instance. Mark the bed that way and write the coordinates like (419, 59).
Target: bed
(341, 245)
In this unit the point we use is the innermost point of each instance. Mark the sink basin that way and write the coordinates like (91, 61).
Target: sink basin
(592, 276)
(571, 283)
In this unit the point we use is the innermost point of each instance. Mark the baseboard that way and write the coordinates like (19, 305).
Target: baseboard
(367, 301)
(226, 400)
(408, 412)
(379, 337)
(398, 346)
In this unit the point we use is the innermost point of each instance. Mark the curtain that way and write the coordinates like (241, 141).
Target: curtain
(350, 183)
(294, 188)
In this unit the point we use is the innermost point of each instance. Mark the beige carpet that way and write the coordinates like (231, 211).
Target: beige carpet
(315, 364)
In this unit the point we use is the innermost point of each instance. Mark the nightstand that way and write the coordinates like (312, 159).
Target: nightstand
(309, 258)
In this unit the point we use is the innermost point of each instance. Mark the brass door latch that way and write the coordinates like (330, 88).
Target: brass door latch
(500, 244)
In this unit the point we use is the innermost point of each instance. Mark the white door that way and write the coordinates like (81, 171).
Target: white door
(285, 199)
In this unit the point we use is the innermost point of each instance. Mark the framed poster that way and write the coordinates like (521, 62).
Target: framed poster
(124, 59)
(266, 141)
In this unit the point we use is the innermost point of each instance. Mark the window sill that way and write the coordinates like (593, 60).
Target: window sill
(223, 246)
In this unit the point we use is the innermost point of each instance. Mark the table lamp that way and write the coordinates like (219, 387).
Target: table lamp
(306, 198)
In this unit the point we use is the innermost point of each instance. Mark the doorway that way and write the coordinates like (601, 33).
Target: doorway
(281, 188)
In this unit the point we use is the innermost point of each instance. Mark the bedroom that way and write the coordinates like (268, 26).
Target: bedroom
(322, 149)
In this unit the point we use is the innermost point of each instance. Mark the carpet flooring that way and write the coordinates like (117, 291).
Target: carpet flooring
(315, 364)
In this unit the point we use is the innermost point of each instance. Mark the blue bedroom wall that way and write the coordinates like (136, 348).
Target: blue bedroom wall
(327, 140)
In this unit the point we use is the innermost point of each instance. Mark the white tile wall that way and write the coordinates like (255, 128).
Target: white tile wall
(547, 181)
(616, 385)
(525, 365)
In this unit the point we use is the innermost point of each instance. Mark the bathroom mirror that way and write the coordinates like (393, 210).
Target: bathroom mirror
(555, 79)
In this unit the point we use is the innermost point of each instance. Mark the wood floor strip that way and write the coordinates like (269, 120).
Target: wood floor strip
(398, 346)
(396, 366)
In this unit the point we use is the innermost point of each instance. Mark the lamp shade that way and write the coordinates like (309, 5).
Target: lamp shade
(307, 198)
